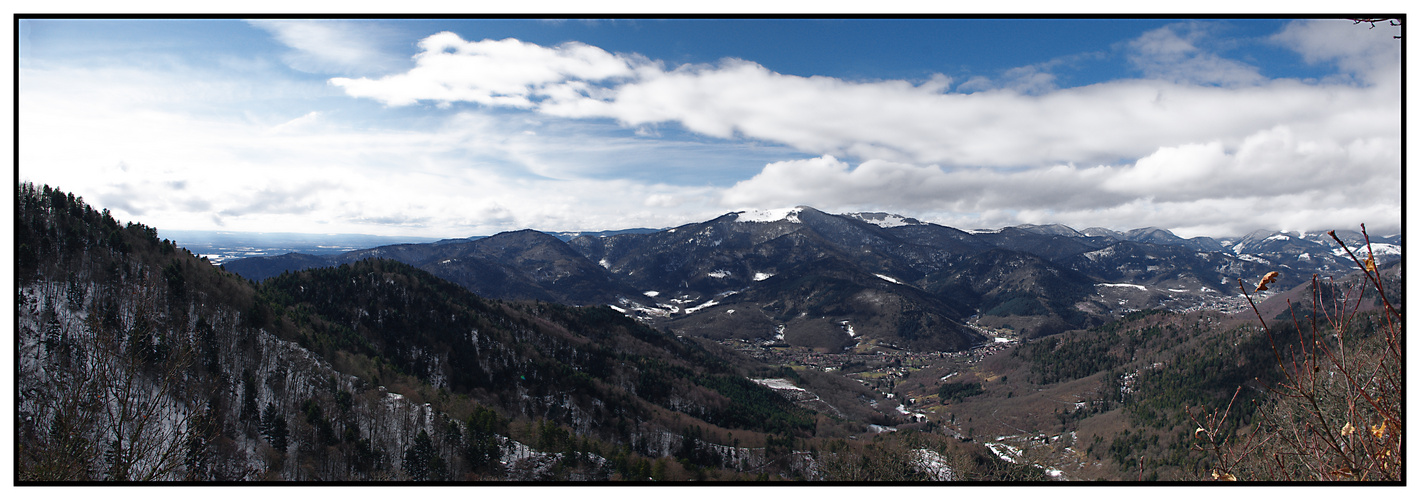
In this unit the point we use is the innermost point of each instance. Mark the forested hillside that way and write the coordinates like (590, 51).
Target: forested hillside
(141, 361)
(1169, 386)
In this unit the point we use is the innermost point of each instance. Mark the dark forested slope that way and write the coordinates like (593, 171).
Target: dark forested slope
(138, 360)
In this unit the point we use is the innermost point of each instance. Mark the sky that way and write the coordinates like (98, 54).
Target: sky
(453, 128)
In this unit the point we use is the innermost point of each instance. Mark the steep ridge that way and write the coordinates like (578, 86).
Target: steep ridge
(1027, 292)
(786, 273)
(533, 265)
(1166, 267)
(516, 265)
(1049, 246)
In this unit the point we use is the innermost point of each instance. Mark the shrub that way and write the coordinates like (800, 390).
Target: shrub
(1338, 411)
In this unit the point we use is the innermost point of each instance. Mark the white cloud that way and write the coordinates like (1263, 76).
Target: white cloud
(573, 137)
(304, 121)
(1272, 179)
(832, 184)
(1368, 55)
(492, 72)
(1269, 163)
(331, 46)
(1170, 53)
(1027, 124)
(129, 141)
(662, 201)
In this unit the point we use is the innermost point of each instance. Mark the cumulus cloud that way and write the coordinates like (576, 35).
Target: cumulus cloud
(505, 72)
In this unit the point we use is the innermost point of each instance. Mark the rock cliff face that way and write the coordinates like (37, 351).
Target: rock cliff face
(138, 361)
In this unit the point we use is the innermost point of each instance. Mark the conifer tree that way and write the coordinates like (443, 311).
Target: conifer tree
(273, 427)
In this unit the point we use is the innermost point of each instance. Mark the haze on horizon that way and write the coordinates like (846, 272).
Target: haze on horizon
(454, 128)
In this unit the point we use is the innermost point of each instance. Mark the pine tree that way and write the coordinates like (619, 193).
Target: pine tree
(249, 411)
(273, 427)
(422, 462)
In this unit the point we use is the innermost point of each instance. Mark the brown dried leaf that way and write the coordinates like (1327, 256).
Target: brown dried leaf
(1378, 430)
(1268, 278)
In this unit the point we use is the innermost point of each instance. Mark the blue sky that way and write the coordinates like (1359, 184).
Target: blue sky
(451, 127)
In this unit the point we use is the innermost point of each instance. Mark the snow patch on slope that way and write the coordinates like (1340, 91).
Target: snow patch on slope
(1141, 287)
(777, 383)
(693, 310)
(1253, 258)
(1377, 248)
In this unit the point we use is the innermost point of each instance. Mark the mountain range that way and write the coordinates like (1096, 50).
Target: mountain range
(835, 282)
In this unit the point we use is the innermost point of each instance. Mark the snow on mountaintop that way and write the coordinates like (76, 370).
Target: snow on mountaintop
(884, 219)
(771, 215)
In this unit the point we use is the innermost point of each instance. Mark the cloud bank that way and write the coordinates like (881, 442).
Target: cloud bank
(1198, 140)
(475, 137)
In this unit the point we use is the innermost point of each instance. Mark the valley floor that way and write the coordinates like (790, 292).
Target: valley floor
(905, 382)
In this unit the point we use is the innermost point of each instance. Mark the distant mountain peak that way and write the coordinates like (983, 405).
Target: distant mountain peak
(1152, 235)
(1051, 229)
